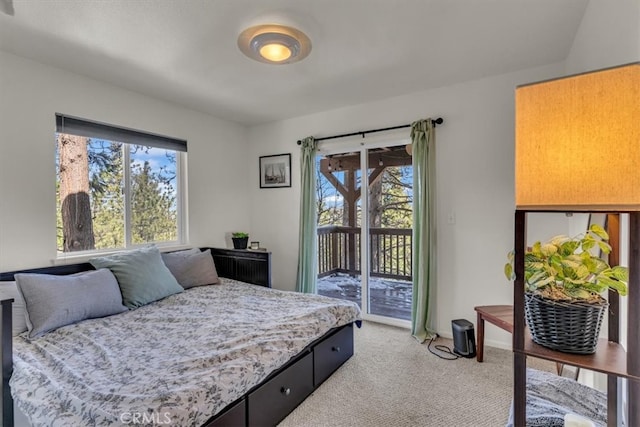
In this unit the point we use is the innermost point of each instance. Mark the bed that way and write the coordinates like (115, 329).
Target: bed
(233, 353)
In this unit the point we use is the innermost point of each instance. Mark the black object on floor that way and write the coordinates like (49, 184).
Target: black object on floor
(464, 341)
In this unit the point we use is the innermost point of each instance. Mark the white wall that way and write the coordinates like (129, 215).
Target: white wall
(474, 181)
(31, 93)
(609, 35)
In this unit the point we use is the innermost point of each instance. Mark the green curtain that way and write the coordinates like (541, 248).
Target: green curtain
(307, 236)
(424, 228)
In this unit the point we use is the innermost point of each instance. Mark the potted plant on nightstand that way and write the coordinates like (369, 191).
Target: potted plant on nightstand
(563, 286)
(240, 240)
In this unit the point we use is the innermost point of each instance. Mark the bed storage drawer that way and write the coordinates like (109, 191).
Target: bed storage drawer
(331, 353)
(274, 400)
(236, 416)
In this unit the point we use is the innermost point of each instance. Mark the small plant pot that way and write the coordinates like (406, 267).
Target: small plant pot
(570, 327)
(240, 242)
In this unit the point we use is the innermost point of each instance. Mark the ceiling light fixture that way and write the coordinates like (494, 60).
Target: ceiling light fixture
(274, 44)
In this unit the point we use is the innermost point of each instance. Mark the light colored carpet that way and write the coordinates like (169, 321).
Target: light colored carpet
(394, 381)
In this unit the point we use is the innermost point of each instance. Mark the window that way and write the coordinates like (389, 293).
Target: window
(116, 187)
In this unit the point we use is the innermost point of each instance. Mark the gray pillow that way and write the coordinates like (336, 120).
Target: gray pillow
(55, 301)
(183, 252)
(141, 274)
(10, 290)
(192, 268)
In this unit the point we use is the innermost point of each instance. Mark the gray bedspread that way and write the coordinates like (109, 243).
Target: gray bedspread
(550, 397)
(177, 361)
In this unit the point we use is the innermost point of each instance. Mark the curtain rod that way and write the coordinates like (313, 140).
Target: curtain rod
(437, 121)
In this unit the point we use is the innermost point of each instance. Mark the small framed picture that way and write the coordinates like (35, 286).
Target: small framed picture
(255, 246)
(275, 171)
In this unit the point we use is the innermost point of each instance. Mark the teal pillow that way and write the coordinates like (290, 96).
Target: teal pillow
(142, 276)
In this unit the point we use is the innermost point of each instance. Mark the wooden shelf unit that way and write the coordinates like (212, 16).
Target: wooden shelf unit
(610, 357)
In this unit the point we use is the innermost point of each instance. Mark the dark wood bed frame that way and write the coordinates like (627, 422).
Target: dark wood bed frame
(265, 404)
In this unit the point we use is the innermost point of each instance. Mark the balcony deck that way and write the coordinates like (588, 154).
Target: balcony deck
(387, 297)
(390, 271)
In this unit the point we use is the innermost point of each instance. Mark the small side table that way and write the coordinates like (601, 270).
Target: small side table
(502, 317)
(499, 315)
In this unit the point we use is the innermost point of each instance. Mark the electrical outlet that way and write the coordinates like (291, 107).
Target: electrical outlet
(451, 218)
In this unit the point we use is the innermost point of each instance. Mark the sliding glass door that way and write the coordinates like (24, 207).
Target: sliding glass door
(389, 211)
(339, 234)
(364, 229)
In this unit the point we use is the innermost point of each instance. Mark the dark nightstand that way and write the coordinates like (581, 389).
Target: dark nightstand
(243, 264)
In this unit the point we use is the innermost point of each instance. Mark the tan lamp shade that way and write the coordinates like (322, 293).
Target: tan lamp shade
(578, 142)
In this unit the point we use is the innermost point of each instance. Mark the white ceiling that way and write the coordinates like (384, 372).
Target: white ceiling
(185, 51)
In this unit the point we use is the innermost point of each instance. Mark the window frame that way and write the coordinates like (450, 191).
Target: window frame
(128, 138)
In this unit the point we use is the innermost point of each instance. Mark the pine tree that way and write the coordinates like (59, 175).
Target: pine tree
(153, 210)
(73, 193)
(107, 196)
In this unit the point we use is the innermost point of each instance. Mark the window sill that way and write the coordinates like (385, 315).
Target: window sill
(75, 258)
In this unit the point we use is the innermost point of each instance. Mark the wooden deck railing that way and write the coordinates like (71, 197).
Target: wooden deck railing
(390, 248)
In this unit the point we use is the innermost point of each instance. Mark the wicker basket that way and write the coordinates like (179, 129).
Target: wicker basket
(570, 327)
